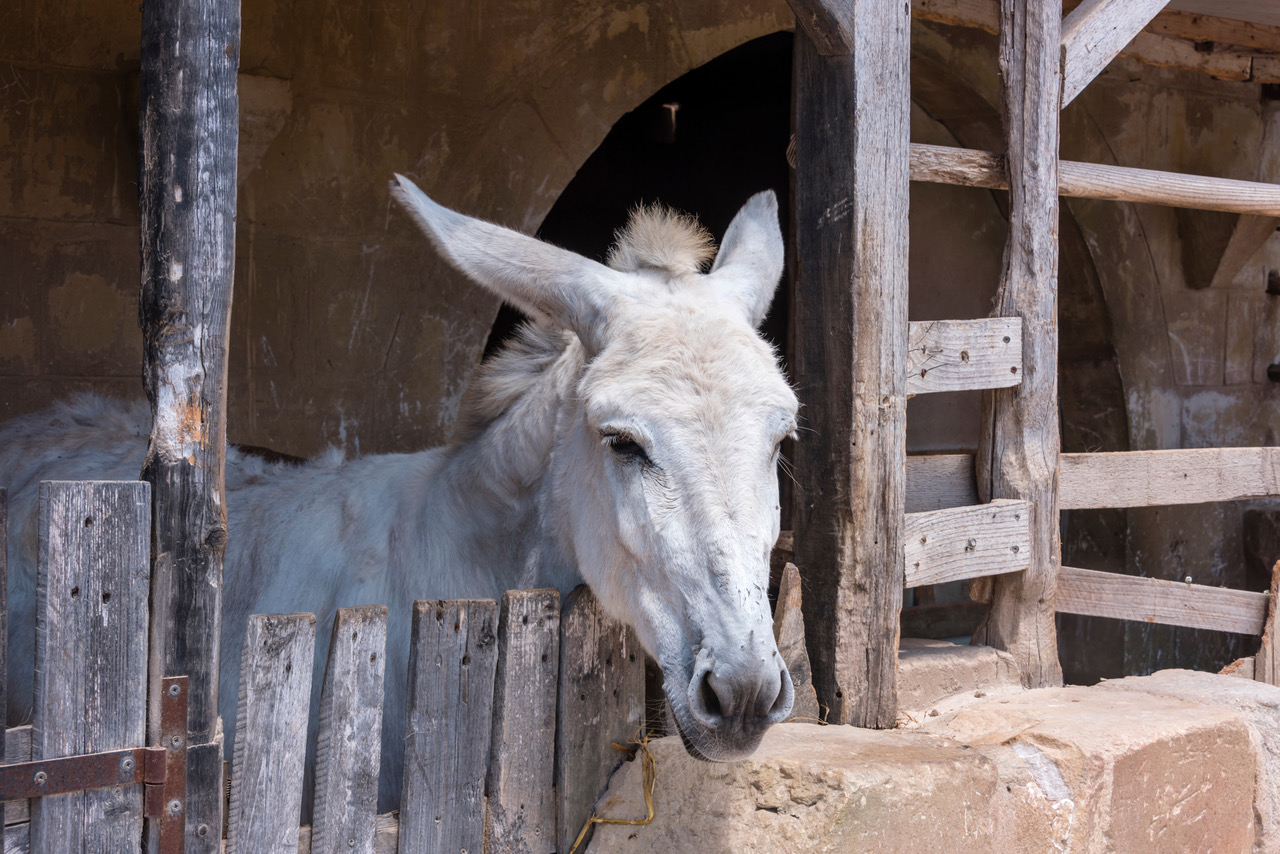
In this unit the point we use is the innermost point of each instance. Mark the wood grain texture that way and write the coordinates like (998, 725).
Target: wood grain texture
(271, 734)
(962, 355)
(827, 23)
(1152, 600)
(92, 588)
(386, 835)
(1018, 445)
(788, 633)
(1266, 664)
(187, 199)
(453, 653)
(849, 316)
(967, 542)
(1247, 237)
(520, 788)
(1094, 34)
(1157, 478)
(942, 164)
(17, 748)
(600, 703)
(939, 481)
(349, 741)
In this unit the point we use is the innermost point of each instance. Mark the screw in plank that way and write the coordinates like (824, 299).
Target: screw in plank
(174, 807)
(1015, 549)
(971, 545)
(41, 778)
(202, 830)
(1187, 579)
(175, 741)
(126, 765)
(175, 690)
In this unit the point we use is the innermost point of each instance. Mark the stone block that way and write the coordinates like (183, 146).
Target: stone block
(935, 675)
(810, 788)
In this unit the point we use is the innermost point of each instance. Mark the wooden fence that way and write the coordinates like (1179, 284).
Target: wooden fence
(513, 708)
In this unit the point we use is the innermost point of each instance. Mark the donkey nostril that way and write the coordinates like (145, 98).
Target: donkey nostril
(710, 699)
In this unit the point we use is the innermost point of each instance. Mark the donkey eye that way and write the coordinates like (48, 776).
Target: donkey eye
(626, 447)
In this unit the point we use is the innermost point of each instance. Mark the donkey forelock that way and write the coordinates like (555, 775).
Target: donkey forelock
(659, 238)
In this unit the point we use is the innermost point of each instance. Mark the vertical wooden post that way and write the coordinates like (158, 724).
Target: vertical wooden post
(850, 314)
(187, 196)
(1018, 453)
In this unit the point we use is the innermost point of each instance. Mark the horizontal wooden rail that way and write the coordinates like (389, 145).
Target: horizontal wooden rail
(962, 355)
(966, 542)
(1157, 478)
(1151, 600)
(969, 168)
(939, 481)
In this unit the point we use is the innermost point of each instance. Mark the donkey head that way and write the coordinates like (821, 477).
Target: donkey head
(667, 449)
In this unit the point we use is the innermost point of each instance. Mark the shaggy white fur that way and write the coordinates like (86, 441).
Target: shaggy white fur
(628, 438)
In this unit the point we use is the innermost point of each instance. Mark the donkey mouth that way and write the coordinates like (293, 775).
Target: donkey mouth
(716, 725)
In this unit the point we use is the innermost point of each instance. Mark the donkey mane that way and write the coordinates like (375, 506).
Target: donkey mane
(655, 237)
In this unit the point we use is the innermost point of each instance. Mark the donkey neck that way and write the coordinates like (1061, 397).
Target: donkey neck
(499, 471)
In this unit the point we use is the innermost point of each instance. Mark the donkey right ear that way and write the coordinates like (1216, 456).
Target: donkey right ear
(544, 281)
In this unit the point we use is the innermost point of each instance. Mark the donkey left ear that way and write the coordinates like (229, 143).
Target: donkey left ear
(750, 260)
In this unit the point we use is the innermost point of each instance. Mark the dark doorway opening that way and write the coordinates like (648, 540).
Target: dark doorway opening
(703, 145)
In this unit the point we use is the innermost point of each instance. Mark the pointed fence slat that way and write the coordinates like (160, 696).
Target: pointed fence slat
(601, 703)
(92, 596)
(452, 655)
(271, 734)
(521, 795)
(349, 744)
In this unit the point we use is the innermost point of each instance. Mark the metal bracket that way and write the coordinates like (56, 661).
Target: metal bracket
(162, 771)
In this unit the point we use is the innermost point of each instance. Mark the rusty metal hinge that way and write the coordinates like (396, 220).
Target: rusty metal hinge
(161, 769)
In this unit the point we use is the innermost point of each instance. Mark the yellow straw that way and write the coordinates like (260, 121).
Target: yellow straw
(650, 772)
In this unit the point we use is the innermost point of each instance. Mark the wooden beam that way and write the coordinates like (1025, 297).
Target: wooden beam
(187, 198)
(1219, 47)
(966, 167)
(967, 542)
(1094, 34)
(1158, 478)
(1152, 600)
(962, 355)
(1018, 446)
(1247, 237)
(850, 299)
(939, 481)
(827, 23)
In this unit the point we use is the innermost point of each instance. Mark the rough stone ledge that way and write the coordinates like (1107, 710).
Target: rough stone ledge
(937, 676)
(1172, 762)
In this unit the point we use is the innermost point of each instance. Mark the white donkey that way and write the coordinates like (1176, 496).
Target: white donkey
(627, 438)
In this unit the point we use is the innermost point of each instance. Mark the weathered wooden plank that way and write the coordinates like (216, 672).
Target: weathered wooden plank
(1246, 239)
(1156, 478)
(967, 542)
(827, 23)
(788, 633)
(271, 734)
(1220, 31)
(970, 168)
(17, 748)
(521, 813)
(961, 355)
(349, 742)
(92, 589)
(450, 720)
(1152, 600)
(939, 481)
(187, 199)
(600, 703)
(386, 835)
(1094, 34)
(849, 302)
(17, 839)
(4, 616)
(1018, 445)
(1266, 664)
